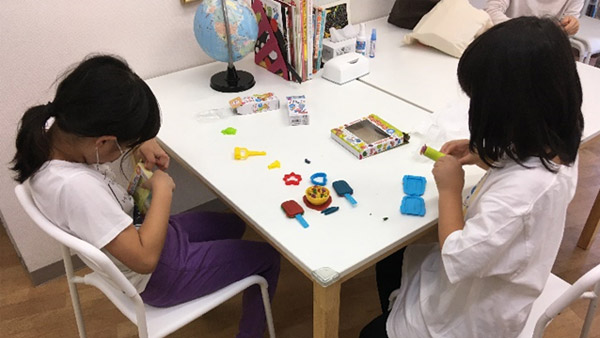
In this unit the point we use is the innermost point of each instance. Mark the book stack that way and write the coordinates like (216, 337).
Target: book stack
(291, 33)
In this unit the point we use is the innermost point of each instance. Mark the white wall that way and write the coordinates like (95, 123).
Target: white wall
(40, 39)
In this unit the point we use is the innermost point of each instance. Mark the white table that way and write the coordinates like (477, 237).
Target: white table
(427, 78)
(347, 241)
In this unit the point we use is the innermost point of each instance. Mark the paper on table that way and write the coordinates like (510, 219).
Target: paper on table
(449, 123)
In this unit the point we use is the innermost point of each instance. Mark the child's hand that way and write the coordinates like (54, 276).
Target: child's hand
(160, 179)
(449, 174)
(153, 154)
(460, 150)
(570, 24)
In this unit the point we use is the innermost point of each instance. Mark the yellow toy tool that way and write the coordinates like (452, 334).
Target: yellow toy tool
(243, 153)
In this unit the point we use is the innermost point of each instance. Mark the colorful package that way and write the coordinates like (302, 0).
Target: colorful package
(369, 136)
(297, 110)
(256, 103)
(141, 196)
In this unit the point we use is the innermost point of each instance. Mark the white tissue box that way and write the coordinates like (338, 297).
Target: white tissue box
(333, 49)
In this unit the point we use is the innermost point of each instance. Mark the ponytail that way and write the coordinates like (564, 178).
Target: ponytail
(33, 144)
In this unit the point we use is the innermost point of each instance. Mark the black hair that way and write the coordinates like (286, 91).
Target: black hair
(100, 96)
(525, 93)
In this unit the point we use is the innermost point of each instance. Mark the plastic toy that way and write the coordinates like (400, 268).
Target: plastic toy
(229, 131)
(243, 153)
(431, 153)
(294, 210)
(330, 210)
(292, 179)
(274, 165)
(342, 188)
(319, 178)
(412, 205)
(414, 185)
(317, 197)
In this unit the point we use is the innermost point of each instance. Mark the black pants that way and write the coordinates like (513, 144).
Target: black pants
(376, 328)
(389, 275)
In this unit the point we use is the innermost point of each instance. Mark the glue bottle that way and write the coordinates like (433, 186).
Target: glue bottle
(372, 45)
(361, 40)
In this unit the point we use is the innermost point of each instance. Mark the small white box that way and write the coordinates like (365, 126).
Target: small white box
(256, 103)
(297, 110)
(333, 49)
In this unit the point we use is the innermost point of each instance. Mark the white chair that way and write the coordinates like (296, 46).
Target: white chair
(588, 35)
(151, 321)
(556, 296)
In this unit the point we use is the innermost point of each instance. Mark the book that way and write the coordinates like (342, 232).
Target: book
(337, 14)
(141, 196)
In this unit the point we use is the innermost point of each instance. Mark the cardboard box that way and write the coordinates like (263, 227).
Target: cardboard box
(256, 103)
(369, 136)
(297, 111)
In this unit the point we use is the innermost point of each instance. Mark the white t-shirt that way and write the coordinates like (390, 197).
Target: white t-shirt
(502, 10)
(86, 203)
(487, 276)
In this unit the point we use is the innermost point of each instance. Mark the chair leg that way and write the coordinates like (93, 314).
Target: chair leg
(267, 306)
(587, 324)
(140, 314)
(73, 290)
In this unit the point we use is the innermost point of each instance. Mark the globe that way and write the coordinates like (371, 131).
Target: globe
(211, 33)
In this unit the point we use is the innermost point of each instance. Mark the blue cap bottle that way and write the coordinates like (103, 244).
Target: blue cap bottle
(372, 44)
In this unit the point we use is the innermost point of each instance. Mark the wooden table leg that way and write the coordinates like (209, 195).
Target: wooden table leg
(591, 225)
(326, 310)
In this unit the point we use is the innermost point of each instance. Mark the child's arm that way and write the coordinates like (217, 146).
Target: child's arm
(497, 10)
(140, 250)
(450, 180)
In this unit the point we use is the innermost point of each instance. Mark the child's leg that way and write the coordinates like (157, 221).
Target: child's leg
(376, 328)
(208, 226)
(191, 270)
(389, 275)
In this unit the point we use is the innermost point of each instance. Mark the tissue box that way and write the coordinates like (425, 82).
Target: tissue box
(369, 136)
(256, 103)
(297, 110)
(333, 49)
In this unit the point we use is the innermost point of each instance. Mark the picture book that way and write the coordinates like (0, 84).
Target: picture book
(337, 15)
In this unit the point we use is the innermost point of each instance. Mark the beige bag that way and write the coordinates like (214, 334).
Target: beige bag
(450, 26)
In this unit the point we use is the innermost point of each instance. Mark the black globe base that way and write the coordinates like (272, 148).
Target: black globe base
(232, 81)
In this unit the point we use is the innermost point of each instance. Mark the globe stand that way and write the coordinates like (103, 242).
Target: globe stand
(232, 80)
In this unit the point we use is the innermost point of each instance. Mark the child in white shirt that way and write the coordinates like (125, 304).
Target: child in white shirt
(496, 249)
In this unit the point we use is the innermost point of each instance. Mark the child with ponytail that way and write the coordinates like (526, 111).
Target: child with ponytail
(101, 111)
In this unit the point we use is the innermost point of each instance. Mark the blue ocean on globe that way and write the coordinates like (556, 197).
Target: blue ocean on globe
(209, 28)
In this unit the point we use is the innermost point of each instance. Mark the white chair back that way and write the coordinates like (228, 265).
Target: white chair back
(151, 321)
(92, 256)
(587, 287)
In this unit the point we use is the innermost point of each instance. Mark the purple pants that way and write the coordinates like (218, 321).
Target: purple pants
(203, 253)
